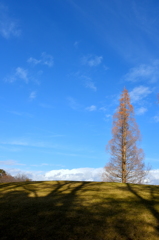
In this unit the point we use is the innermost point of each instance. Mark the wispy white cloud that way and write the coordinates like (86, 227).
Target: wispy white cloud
(8, 26)
(19, 74)
(22, 74)
(48, 145)
(45, 146)
(91, 85)
(138, 93)
(32, 95)
(73, 103)
(46, 59)
(28, 143)
(88, 83)
(40, 165)
(16, 142)
(33, 61)
(71, 154)
(57, 135)
(63, 149)
(156, 118)
(103, 109)
(91, 108)
(76, 43)
(144, 72)
(106, 67)
(141, 110)
(47, 164)
(25, 114)
(10, 163)
(91, 60)
(10, 148)
(107, 117)
(16, 113)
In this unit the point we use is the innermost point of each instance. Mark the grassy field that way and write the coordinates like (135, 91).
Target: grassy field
(78, 210)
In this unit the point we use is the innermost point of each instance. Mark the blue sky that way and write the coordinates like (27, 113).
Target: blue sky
(64, 65)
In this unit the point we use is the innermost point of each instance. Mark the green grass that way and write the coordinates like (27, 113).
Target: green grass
(78, 210)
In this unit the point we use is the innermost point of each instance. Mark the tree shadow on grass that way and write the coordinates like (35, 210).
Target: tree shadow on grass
(150, 203)
(71, 211)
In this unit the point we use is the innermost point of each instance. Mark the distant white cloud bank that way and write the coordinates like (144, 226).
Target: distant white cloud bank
(77, 174)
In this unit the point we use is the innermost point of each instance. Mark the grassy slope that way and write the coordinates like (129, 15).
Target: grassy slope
(78, 210)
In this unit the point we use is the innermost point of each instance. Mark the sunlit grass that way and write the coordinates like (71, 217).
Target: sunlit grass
(79, 210)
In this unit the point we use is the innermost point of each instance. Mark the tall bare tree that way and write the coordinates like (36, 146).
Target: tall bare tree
(126, 162)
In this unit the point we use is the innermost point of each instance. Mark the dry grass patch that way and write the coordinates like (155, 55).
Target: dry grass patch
(79, 210)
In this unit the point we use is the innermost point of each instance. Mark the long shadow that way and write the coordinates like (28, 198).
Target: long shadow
(148, 203)
(71, 211)
(39, 217)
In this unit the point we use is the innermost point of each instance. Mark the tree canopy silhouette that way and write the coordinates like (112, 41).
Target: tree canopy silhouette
(2, 173)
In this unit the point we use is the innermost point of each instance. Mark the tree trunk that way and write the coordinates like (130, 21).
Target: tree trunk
(124, 152)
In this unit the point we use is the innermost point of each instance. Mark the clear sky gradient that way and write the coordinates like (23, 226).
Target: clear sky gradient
(63, 67)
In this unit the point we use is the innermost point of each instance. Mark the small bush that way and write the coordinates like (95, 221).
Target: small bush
(6, 177)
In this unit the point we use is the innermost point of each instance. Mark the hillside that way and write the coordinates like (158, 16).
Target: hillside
(79, 210)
